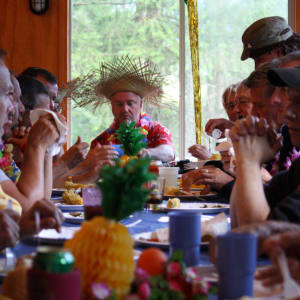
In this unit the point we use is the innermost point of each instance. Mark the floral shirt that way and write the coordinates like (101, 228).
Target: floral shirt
(7, 163)
(155, 133)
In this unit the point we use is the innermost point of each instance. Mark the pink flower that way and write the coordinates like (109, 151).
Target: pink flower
(141, 275)
(288, 163)
(173, 269)
(295, 154)
(101, 290)
(175, 285)
(200, 286)
(144, 291)
(132, 297)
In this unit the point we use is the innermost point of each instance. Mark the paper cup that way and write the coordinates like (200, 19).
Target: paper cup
(171, 174)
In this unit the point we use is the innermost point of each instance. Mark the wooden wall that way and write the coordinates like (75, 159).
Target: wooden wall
(36, 40)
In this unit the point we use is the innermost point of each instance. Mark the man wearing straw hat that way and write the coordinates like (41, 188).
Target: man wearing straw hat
(127, 83)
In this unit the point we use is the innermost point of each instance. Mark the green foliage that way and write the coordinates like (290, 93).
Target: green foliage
(122, 187)
(131, 138)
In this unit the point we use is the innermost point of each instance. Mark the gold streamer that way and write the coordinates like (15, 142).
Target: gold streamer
(194, 45)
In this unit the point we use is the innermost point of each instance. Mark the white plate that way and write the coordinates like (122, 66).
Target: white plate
(142, 240)
(72, 219)
(207, 208)
(52, 237)
(69, 207)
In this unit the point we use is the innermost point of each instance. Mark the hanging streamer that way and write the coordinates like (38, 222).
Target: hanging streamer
(192, 6)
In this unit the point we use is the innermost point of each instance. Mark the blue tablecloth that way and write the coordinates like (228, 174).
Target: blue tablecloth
(149, 223)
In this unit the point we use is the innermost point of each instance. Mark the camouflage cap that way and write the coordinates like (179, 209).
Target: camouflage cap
(265, 32)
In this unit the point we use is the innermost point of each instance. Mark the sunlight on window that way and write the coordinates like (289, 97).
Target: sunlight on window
(150, 29)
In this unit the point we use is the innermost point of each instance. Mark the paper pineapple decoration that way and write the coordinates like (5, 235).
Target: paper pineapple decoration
(103, 248)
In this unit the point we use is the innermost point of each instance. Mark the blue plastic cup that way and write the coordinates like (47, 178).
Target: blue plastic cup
(119, 149)
(185, 235)
(236, 263)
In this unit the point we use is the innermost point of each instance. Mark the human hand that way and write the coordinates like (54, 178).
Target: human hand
(211, 175)
(144, 153)
(98, 156)
(43, 133)
(50, 217)
(200, 152)
(20, 132)
(9, 233)
(289, 242)
(263, 230)
(20, 136)
(265, 175)
(254, 140)
(220, 124)
(75, 154)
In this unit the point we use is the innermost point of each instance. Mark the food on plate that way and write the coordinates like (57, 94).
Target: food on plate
(172, 190)
(173, 203)
(216, 156)
(213, 227)
(71, 197)
(69, 185)
(152, 260)
(209, 229)
(193, 186)
(76, 214)
(160, 235)
(72, 194)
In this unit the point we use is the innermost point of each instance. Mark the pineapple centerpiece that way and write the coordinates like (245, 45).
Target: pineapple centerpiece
(103, 248)
(131, 139)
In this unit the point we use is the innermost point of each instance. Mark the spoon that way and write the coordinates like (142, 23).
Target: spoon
(291, 289)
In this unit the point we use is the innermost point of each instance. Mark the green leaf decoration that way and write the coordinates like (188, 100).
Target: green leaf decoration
(123, 189)
(131, 138)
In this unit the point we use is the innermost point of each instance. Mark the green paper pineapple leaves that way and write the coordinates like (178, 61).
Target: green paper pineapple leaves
(122, 187)
(131, 138)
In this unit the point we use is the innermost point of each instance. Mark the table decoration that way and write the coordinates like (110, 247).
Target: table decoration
(103, 248)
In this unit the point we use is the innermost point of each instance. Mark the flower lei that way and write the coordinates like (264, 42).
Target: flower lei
(7, 163)
(293, 155)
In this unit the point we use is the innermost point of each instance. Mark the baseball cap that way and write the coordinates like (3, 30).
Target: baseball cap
(285, 77)
(265, 32)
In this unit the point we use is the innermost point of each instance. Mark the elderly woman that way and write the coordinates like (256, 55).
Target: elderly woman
(30, 188)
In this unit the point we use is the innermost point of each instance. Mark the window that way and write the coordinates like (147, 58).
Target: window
(102, 29)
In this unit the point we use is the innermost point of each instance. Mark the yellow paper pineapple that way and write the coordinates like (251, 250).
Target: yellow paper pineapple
(103, 248)
(103, 251)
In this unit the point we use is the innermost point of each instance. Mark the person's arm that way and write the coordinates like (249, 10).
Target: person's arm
(73, 157)
(220, 124)
(88, 171)
(48, 177)
(30, 186)
(162, 152)
(200, 152)
(252, 147)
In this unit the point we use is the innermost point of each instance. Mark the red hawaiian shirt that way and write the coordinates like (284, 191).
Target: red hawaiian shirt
(155, 133)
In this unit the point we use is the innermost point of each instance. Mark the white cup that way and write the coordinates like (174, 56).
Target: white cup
(171, 174)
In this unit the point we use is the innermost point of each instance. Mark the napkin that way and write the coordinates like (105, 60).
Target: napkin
(55, 148)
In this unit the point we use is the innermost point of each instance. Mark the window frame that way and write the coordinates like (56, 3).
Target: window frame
(293, 19)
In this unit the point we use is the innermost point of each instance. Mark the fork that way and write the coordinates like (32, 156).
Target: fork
(291, 289)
